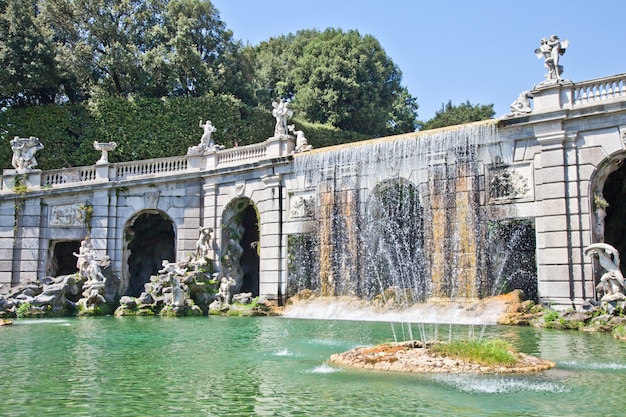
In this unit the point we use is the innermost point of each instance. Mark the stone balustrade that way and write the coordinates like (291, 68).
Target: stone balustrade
(215, 159)
(601, 89)
(126, 170)
(65, 176)
(241, 155)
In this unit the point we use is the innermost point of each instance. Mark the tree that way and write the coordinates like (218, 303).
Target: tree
(153, 48)
(28, 73)
(450, 115)
(339, 78)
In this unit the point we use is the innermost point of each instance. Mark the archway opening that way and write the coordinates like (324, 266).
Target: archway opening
(151, 239)
(240, 255)
(250, 257)
(614, 194)
(63, 261)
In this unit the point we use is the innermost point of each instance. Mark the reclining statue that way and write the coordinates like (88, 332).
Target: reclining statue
(611, 282)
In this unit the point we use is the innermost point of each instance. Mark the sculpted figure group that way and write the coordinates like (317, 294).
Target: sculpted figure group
(550, 50)
(24, 152)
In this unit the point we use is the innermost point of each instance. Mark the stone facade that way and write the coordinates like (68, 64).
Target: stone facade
(548, 166)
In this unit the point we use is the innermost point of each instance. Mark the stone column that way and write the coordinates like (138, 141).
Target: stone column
(559, 270)
(189, 230)
(7, 237)
(273, 242)
(26, 244)
(100, 222)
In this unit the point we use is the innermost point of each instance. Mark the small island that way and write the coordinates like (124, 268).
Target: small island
(489, 356)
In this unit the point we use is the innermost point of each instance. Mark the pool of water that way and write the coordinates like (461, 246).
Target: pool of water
(232, 366)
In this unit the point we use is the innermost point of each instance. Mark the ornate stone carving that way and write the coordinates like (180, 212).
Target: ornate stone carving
(105, 148)
(302, 207)
(550, 50)
(152, 199)
(611, 286)
(302, 144)
(281, 112)
(522, 104)
(67, 215)
(206, 141)
(507, 183)
(240, 189)
(24, 153)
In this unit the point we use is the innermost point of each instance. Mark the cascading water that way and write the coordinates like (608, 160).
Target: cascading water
(397, 217)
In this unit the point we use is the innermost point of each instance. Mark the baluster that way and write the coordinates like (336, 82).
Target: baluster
(603, 91)
(609, 93)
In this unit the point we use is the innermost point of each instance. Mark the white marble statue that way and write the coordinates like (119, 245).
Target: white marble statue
(173, 271)
(522, 104)
(612, 281)
(281, 112)
(550, 50)
(302, 144)
(225, 292)
(206, 139)
(24, 152)
(203, 245)
(90, 268)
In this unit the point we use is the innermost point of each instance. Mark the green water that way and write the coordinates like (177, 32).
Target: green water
(230, 366)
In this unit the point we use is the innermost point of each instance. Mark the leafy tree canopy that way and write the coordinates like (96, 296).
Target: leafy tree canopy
(335, 77)
(450, 115)
(70, 50)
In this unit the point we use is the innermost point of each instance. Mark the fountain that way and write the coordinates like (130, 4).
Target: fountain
(371, 240)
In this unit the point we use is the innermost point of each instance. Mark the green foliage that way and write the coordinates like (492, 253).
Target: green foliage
(28, 73)
(320, 135)
(338, 78)
(550, 316)
(66, 131)
(149, 47)
(143, 128)
(450, 115)
(484, 352)
(142, 73)
(22, 310)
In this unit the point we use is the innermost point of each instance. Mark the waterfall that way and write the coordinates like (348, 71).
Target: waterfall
(398, 218)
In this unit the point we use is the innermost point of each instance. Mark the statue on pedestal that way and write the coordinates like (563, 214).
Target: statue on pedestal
(24, 152)
(281, 112)
(550, 50)
(206, 139)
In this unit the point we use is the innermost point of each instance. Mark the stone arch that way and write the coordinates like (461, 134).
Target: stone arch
(240, 245)
(149, 238)
(611, 167)
(394, 241)
(608, 203)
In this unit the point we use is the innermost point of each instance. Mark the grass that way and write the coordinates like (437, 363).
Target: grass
(484, 352)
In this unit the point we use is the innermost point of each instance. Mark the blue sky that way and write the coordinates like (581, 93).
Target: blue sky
(481, 51)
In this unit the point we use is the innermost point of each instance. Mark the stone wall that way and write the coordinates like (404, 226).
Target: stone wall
(546, 168)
